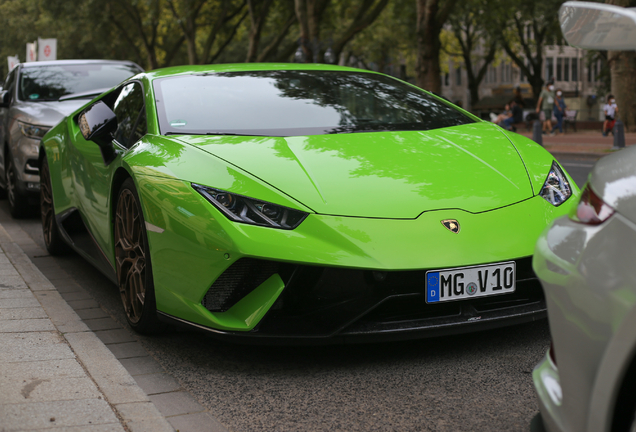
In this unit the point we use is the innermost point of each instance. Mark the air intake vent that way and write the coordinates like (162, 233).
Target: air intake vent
(240, 279)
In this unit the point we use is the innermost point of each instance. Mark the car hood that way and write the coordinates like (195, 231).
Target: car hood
(384, 174)
(45, 113)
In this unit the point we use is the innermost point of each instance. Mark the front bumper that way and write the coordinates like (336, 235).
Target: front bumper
(323, 286)
(331, 305)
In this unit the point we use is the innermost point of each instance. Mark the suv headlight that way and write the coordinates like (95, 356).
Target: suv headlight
(556, 189)
(250, 211)
(33, 131)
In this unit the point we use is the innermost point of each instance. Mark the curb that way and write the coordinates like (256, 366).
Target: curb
(127, 399)
(590, 156)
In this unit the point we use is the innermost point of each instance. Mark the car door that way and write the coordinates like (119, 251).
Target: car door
(92, 178)
(9, 87)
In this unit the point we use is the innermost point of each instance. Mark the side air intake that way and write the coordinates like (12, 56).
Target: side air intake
(240, 279)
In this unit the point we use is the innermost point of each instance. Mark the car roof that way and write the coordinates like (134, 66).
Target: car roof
(77, 62)
(247, 67)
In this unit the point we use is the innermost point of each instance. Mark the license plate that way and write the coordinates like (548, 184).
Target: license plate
(470, 282)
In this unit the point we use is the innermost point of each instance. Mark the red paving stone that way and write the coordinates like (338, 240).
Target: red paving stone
(591, 142)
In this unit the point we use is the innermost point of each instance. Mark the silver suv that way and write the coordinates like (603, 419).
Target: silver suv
(35, 97)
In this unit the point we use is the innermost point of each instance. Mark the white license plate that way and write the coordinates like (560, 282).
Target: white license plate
(470, 282)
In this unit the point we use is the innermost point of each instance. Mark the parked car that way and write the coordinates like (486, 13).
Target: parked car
(300, 203)
(37, 96)
(586, 264)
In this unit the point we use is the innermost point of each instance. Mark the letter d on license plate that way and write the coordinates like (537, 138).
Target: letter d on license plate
(467, 282)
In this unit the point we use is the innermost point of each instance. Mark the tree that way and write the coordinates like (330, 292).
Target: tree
(208, 20)
(309, 15)
(468, 24)
(524, 33)
(431, 16)
(622, 66)
(280, 17)
(363, 16)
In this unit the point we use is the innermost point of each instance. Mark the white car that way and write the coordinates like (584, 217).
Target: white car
(36, 97)
(587, 265)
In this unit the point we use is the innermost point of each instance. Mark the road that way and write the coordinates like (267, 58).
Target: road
(477, 382)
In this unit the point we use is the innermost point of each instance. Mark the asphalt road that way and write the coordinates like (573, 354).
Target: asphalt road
(477, 382)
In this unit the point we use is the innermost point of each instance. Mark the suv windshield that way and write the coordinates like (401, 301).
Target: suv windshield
(49, 83)
(288, 103)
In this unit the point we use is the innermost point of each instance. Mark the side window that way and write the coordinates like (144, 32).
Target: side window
(131, 115)
(10, 81)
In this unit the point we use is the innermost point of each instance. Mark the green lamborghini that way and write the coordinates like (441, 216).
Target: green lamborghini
(300, 204)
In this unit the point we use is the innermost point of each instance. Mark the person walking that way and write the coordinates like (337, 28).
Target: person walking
(611, 110)
(559, 112)
(545, 104)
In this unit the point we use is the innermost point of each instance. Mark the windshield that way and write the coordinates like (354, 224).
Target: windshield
(288, 103)
(49, 83)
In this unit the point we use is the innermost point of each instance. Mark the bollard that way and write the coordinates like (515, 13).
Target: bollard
(619, 135)
(537, 132)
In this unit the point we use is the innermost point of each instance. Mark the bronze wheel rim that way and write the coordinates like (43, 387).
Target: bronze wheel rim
(131, 257)
(46, 203)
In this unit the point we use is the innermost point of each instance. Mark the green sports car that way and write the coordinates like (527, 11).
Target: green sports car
(300, 204)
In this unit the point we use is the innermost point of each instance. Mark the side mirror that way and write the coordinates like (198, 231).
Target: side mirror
(598, 26)
(5, 99)
(97, 123)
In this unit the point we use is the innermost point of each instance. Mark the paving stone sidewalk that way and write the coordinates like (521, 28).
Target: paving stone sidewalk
(55, 374)
(584, 143)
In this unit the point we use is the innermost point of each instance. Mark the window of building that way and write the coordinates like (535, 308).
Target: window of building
(549, 68)
(566, 69)
(575, 69)
(458, 76)
(446, 79)
(559, 69)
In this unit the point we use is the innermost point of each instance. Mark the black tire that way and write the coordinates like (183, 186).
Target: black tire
(132, 260)
(53, 240)
(18, 204)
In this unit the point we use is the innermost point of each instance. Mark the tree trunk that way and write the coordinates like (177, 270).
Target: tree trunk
(430, 20)
(257, 21)
(622, 67)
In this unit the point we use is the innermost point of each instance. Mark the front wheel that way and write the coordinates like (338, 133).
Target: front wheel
(134, 271)
(50, 230)
(18, 203)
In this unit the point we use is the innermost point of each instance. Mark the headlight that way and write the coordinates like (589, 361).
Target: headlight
(33, 131)
(556, 189)
(250, 211)
(591, 209)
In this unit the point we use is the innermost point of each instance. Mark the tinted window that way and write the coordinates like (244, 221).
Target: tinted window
(285, 103)
(131, 115)
(9, 84)
(49, 83)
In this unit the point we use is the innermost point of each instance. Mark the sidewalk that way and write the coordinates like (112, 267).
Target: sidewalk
(55, 374)
(585, 143)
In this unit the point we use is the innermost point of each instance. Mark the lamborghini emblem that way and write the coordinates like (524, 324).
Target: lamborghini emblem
(451, 225)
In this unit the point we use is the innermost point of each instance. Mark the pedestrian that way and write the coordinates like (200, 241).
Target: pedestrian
(559, 112)
(611, 111)
(515, 115)
(497, 119)
(545, 104)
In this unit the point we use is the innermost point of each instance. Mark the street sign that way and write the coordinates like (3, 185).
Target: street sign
(31, 52)
(13, 62)
(47, 49)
